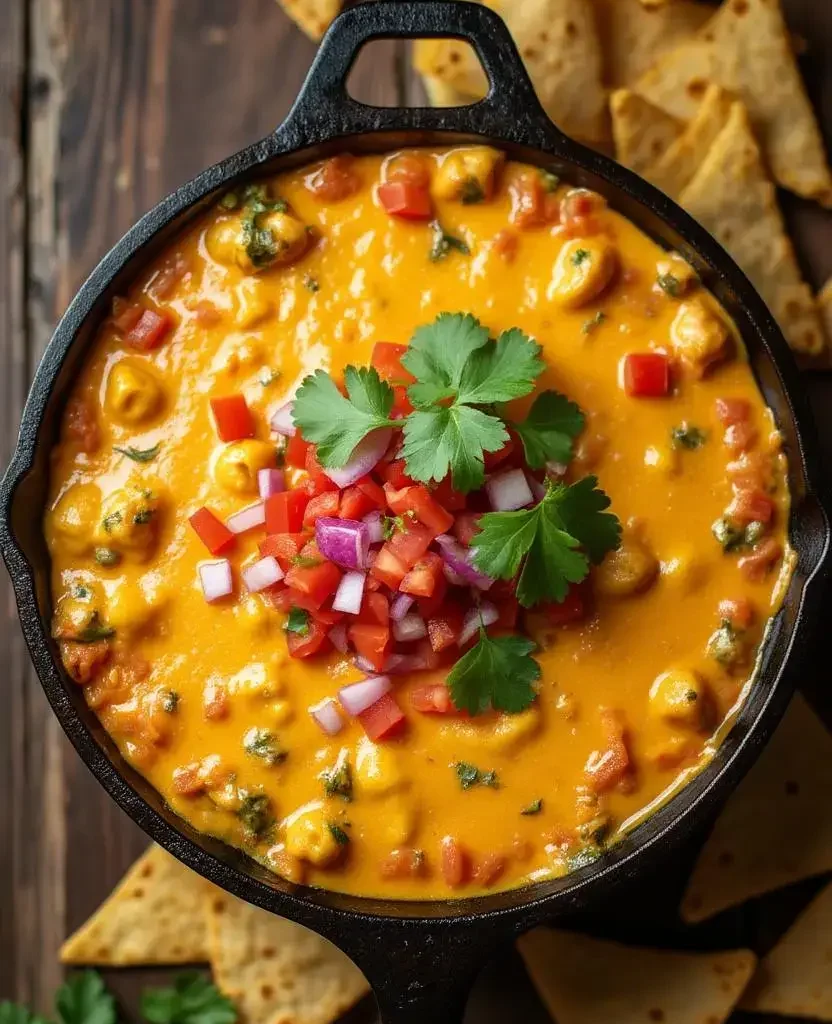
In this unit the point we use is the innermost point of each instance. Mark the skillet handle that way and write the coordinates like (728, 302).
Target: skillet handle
(324, 100)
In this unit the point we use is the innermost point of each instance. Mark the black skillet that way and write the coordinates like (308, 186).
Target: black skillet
(421, 957)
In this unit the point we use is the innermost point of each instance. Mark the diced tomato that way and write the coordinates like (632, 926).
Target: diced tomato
(410, 544)
(571, 609)
(295, 453)
(431, 699)
(738, 611)
(354, 504)
(454, 863)
(322, 505)
(149, 331)
(444, 493)
(318, 482)
(383, 719)
(375, 609)
(422, 579)
(606, 768)
(284, 512)
(232, 417)
(427, 655)
(317, 582)
(412, 169)
(529, 208)
(417, 500)
(489, 869)
(403, 199)
(371, 640)
(402, 406)
(387, 360)
(505, 244)
(125, 314)
(284, 600)
(759, 563)
(739, 437)
(493, 459)
(394, 473)
(373, 491)
(283, 546)
(334, 180)
(732, 410)
(509, 610)
(467, 527)
(750, 507)
(213, 533)
(388, 568)
(646, 374)
(577, 212)
(429, 606)
(445, 627)
(315, 638)
(403, 862)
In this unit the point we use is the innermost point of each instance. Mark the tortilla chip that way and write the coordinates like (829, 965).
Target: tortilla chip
(641, 131)
(587, 981)
(440, 94)
(746, 49)
(559, 45)
(775, 829)
(154, 916)
(275, 971)
(795, 979)
(634, 36)
(732, 196)
(313, 16)
(680, 161)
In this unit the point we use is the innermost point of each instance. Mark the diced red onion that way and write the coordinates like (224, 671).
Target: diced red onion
(265, 572)
(343, 541)
(374, 530)
(364, 664)
(538, 489)
(338, 638)
(248, 518)
(402, 603)
(270, 481)
(282, 421)
(509, 491)
(453, 577)
(411, 627)
(359, 696)
(458, 559)
(364, 458)
(215, 579)
(556, 469)
(486, 613)
(396, 664)
(350, 593)
(328, 717)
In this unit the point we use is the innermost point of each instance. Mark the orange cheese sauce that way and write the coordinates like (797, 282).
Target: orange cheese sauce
(178, 681)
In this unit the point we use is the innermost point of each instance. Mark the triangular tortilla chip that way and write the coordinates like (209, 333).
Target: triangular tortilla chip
(795, 979)
(732, 196)
(154, 916)
(559, 45)
(275, 971)
(635, 36)
(746, 49)
(440, 94)
(587, 981)
(680, 161)
(775, 829)
(825, 303)
(641, 131)
(313, 16)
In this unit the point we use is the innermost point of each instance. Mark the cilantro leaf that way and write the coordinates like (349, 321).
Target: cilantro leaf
(497, 673)
(13, 1013)
(83, 999)
(502, 370)
(451, 439)
(337, 424)
(437, 355)
(192, 999)
(554, 541)
(139, 454)
(297, 621)
(549, 429)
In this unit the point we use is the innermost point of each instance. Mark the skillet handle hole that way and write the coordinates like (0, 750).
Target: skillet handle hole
(386, 73)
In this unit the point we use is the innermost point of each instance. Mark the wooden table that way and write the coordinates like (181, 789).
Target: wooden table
(106, 105)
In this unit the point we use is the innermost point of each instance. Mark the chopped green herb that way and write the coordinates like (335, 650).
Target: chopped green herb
(311, 284)
(192, 999)
(497, 673)
(170, 701)
(107, 556)
(469, 775)
(338, 834)
(81, 593)
(549, 181)
(230, 201)
(581, 256)
(550, 429)
(443, 243)
(338, 779)
(83, 999)
(259, 242)
(691, 696)
(265, 745)
(297, 621)
(733, 537)
(268, 376)
(596, 831)
(139, 454)
(394, 524)
(754, 532)
(725, 645)
(670, 285)
(94, 631)
(535, 807)
(256, 814)
(471, 191)
(111, 521)
(143, 516)
(687, 436)
(584, 856)
(589, 326)
(305, 561)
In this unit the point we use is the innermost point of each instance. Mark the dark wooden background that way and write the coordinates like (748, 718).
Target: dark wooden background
(106, 105)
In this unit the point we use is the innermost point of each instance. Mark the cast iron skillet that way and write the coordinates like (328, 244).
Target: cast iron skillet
(419, 957)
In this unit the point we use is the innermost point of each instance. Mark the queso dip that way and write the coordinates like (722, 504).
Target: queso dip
(415, 523)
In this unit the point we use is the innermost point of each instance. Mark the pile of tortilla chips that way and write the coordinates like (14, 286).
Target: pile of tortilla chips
(707, 103)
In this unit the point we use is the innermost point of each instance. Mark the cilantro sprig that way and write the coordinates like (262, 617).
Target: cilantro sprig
(498, 672)
(552, 544)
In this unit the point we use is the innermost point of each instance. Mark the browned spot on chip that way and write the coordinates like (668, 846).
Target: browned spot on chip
(266, 991)
(697, 88)
(725, 859)
(741, 7)
(792, 787)
(656, 1015)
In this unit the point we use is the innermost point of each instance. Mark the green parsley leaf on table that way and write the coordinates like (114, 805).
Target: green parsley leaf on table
(451, 439)
(12, 1013)
(550, 428)
(498, 672)
(554, 541)
(192, 999)
(337, 424)
(83, 999)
